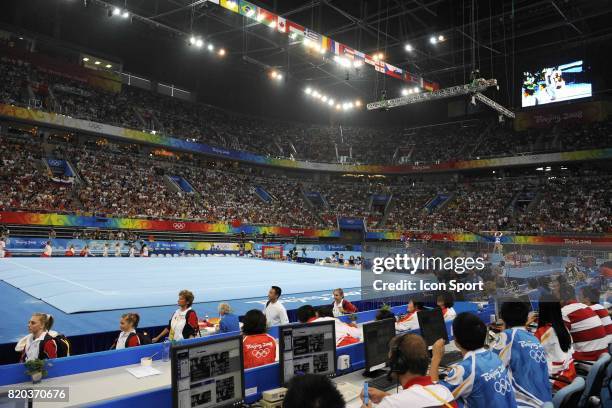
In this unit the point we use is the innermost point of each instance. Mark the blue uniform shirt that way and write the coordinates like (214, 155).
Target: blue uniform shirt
(229, 323)
(525, 358)
(480, 380)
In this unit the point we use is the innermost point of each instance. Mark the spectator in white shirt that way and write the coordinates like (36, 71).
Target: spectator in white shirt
(275, 312)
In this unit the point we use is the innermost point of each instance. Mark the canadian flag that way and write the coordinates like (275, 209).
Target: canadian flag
(281, 25)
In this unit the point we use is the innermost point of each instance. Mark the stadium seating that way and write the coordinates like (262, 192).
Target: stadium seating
(35, 86)
(568, 396)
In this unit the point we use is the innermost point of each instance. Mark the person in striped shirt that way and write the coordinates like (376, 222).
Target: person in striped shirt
(557, 342)
(524, 356)
(588, 333)
(590, 297)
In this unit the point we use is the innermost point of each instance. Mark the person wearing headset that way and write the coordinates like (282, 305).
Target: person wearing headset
(408, 360)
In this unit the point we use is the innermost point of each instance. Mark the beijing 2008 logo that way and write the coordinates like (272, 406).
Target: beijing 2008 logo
(178, 225)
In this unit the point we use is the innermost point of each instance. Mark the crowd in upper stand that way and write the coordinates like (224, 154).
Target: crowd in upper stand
(123, 181)
(27, 85)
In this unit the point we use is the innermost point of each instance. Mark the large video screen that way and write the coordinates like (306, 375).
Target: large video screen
(555, 84)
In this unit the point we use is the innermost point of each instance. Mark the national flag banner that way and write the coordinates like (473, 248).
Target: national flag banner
(325, 42)
(281, 24)
(313, 36)
(393, 71)
(369, 60)
(266, 17)
(295, 28)
(379, 66)
(230, 5)
(348, 52)
(336, 49)
(248, 9)
(359, 55)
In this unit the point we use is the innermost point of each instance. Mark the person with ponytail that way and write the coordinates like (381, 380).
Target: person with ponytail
(39, 344)
(128, 336)
(557, 342)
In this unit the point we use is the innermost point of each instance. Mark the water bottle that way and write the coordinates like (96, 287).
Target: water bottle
(166, 350)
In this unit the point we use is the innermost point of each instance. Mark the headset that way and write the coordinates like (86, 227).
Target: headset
(397, 360)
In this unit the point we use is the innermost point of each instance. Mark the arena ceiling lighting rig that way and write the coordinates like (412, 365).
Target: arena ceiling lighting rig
(475, 88)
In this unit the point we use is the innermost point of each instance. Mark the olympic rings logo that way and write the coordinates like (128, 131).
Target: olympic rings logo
(260, 353)
(503, 386)
(179, 225)
(537, 355)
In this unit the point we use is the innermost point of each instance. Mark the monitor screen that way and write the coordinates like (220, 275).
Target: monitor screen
(555, 84)
(376, 338)
(7, 401)
(208, 374)
(307, 349)
(432, 326)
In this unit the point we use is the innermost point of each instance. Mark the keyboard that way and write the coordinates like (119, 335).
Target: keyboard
(348, 391)
(450, 358)
(383, 383)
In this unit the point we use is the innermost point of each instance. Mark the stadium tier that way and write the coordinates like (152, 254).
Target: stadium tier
(305, 204)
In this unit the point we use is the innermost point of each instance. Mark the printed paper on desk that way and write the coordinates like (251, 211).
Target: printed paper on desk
(141, 372)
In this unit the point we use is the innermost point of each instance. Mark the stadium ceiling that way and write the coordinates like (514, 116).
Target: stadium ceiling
(503, 31)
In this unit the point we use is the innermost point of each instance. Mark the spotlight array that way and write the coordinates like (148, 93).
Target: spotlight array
(331, 102)
(198, 42)
(437, 39)
(117, 12)
(410, 91)
(276, 75)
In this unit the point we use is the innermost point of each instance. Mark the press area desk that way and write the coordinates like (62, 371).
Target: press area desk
(101, 379)
(117, 387)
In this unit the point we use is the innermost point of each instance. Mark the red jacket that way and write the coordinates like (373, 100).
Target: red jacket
(347, 306)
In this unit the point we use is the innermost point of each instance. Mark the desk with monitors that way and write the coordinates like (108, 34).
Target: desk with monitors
(208, 374)
(307, 349)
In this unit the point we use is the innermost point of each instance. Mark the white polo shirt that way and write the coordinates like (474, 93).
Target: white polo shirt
(276, 314)
(419, 392)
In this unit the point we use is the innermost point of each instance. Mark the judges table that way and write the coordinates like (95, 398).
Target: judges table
(102, 379)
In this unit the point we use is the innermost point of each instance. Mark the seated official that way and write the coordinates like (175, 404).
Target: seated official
(345, 334)
(590, 297)
(128, 336)
(589, 336)
(312, 391)
(446, 303)
(557, 342)
(259, 348)
(39, 344)
(341, 305)
(524, 356)
(408, 361)
(229, 322)
(480, 379)
(306, 314)
(410, 320)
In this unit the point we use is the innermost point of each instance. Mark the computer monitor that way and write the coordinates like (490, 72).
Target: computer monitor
(7, 401)
(208, 374)
(376, 338)
(432, 325)
(307, 349)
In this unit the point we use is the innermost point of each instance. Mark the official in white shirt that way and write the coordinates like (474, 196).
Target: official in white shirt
(276, 314)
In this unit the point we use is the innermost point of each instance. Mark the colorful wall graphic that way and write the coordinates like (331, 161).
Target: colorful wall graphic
(130, 135)
(61, 220)
(601, 240)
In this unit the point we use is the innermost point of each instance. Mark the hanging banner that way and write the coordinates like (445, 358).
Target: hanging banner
(298, 32)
